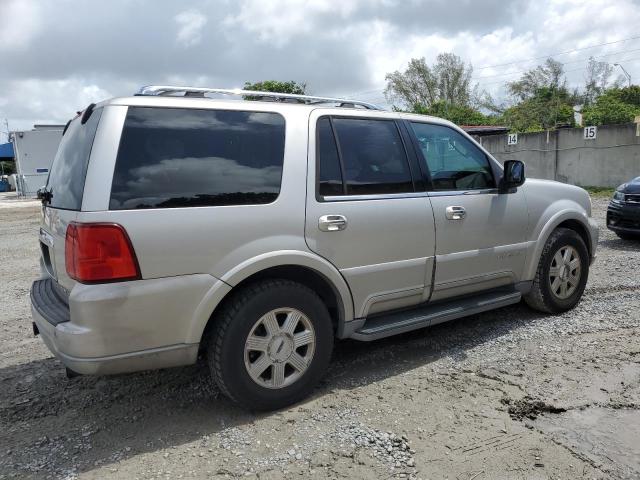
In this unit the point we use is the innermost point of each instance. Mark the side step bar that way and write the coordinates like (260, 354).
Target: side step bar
(385, 325)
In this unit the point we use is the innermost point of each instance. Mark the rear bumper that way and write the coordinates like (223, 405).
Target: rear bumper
(121, 327)
(623, 218)
(163, 357)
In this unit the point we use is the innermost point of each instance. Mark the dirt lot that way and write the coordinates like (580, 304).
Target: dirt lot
(504, 395)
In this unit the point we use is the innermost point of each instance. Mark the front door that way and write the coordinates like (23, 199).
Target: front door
(480, 233)
(365, 211)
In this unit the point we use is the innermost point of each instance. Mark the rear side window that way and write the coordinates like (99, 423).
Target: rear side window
(370, 155)
(454, 162)
(69, 168)
(329, 171)
(172, 157)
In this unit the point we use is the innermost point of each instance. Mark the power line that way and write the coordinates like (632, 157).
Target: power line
(566, 71)
(563, 63)
(379, 90)
(557, 54)
(481, 83)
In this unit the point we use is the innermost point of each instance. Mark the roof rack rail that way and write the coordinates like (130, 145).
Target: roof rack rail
(160, 90)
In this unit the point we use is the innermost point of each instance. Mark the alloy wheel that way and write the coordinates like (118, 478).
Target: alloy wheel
(565, 272)
(279, 348)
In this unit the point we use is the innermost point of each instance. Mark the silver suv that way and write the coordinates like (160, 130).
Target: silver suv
(258, 230)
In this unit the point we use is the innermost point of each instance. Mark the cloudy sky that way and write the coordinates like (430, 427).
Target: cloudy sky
(58, 56)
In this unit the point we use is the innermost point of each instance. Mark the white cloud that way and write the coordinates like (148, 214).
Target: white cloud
(190, 23)
(48, 101)
(277, 22)
(20, 21)
(57, 58)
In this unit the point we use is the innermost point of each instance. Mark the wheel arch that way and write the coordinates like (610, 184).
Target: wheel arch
(580, 229)
(570, 219)
(302, 267)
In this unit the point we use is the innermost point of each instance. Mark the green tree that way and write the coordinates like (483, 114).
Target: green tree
(596, 80)
(616, 105)
(421, 86)
(276, 87)
(458, 114)
(7, 167)
(630, 95)
(549, 75)
(546, 109)
(541, 99)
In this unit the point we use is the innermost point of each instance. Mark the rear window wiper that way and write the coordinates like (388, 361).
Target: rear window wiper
(66, 127)
(45, 195)
(87, 113)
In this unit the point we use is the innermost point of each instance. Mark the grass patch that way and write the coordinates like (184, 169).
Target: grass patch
(600, 191)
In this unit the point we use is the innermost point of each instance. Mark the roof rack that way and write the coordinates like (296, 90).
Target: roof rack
(163, 90)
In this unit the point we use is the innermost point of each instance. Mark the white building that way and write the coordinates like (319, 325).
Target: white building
(34, 151)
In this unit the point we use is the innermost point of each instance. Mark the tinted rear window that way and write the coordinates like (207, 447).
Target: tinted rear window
(373, 156)
(329, 171)
(172, 157)
(69, 168)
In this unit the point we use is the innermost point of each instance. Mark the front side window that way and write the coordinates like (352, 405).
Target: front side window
(370, 155)
(175, 157)
(454, 162)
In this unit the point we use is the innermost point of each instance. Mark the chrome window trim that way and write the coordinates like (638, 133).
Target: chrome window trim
(391, 196)
(374, 196)
(450, 193)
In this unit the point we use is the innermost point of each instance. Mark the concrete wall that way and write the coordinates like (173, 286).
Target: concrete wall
(564, 155)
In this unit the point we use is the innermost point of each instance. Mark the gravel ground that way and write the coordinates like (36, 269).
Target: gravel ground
(503, 395)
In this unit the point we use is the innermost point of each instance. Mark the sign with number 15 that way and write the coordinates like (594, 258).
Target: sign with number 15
(590, 133)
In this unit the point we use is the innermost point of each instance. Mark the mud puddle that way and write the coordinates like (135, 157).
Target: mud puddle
(604, 436)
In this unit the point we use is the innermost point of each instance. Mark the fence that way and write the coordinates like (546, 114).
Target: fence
(605, 156)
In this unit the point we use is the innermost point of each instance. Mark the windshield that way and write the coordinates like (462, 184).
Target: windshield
(66, 179)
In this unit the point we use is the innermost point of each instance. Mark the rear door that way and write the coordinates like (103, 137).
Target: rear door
(367, 212)
(481, 234)
(66, 187)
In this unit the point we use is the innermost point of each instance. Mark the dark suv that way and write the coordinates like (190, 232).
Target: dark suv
(623, 215)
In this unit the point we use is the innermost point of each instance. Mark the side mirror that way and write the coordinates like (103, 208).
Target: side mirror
(513, 176)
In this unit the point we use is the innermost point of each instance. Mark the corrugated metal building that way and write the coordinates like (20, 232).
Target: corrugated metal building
(34, 151)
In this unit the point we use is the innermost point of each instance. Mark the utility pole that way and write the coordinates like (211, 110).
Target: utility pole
(625, 72)
(6, 124)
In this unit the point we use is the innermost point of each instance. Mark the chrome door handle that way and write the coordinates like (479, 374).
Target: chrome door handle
(455, 213)
(332, 223)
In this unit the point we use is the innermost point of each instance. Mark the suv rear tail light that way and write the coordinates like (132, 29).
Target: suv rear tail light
(99, 252)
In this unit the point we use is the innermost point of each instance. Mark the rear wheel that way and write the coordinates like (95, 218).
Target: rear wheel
(562, 273)
(271, 345)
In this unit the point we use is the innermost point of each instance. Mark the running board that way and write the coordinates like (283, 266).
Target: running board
(385, 325)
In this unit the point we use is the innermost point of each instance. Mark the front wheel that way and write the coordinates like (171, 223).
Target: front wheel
(562, 273)
(271, 344)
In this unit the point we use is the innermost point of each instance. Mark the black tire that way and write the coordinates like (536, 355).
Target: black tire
(628, 236)
(541, 297)
(226, 350)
